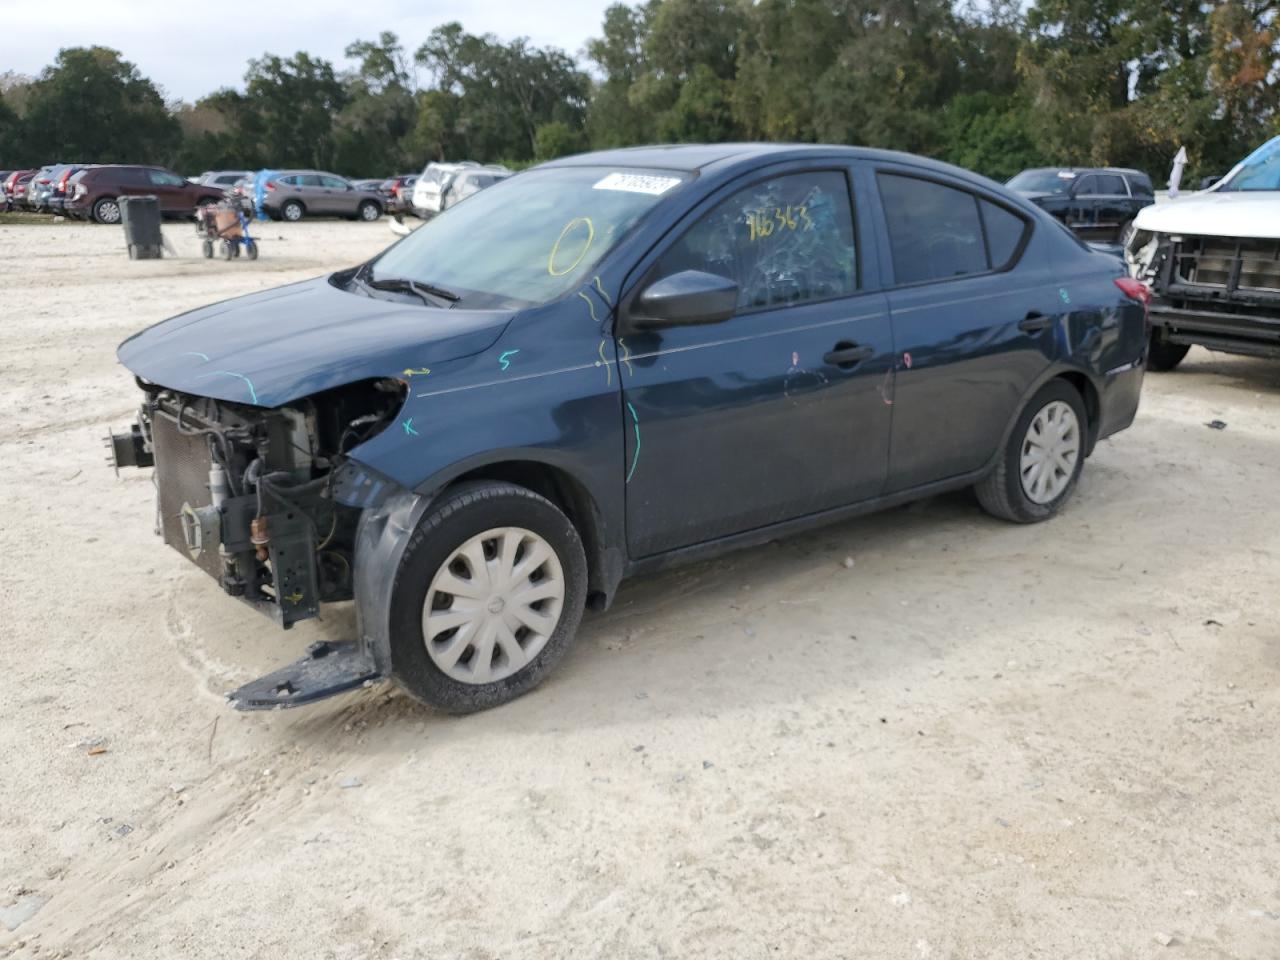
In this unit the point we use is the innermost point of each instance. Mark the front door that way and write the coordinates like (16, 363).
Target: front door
(779, 411)
(973, 323)
(168, 188)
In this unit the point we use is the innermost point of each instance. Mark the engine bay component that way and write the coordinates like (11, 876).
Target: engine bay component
(246, 493)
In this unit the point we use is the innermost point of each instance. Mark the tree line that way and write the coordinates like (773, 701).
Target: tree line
(994, 87)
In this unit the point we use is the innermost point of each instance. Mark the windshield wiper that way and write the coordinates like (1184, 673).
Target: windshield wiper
(427, 291)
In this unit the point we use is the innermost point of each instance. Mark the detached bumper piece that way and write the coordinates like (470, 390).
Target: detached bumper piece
(326, 670)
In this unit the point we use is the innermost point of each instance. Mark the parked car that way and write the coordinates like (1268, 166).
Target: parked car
(95, 191)
(1213, 262)
(294, 194)
(1098, 203)
(466, 183)
(15, 188)
(224, 180)
(432, 185)
(47, 191)
(397, 192)
(611, 363)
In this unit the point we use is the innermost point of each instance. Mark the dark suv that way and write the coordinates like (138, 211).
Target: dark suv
(93, 191)
(1098, 203)
(611, 363)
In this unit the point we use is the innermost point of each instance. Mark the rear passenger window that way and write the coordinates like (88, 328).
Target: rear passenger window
(934, 231)
(1004, 233)
(1110, 185)
(784, 241)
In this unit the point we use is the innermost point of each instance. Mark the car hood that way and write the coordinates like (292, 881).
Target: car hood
(279, 345)
(1253, 213)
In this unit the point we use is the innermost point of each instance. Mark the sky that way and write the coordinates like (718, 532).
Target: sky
(190, 49)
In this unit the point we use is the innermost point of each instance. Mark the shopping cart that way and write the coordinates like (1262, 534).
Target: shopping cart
(225, 225)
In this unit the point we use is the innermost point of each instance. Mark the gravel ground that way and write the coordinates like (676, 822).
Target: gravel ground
(980, 740)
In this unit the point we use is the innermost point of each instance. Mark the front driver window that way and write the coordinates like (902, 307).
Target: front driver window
(784, 241)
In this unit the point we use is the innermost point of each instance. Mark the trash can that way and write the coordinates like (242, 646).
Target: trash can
(140, 217)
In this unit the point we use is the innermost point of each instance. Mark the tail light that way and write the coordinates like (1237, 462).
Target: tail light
(270, 185)
(1135, 290)
(62, 183)
(44, 181)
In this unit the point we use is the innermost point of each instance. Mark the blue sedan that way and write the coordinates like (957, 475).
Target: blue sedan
(611, 363)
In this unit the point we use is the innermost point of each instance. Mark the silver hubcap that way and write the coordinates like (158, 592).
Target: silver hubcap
(110, 212)
(1049, 452)
(369, 212)
(293, 212)
(493, 605)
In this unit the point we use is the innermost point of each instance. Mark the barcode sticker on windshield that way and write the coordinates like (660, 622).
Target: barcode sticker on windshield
(637, 183)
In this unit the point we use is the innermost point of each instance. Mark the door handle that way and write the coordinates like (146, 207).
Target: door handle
(1034, 322)
(848, 355)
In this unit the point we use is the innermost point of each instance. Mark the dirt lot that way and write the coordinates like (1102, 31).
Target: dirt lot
(980, 741)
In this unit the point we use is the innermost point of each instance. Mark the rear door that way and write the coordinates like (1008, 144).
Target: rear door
(972, 322)
(1113, 206)
(776, 412)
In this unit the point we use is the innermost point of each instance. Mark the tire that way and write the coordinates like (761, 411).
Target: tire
(293, 211)
(1163, 356)
(206, 247)
(133, 252)
(368, 211)
(106, 210)
(458, 520)
(251, 250)
(1009, 492)
(226, 250)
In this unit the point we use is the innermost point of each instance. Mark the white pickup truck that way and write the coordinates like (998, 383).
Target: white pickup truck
(1212, 260)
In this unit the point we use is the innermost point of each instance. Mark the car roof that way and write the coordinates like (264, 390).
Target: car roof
(727, 158)
(1080, 170)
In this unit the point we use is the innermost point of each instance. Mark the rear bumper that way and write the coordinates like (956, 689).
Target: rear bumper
(1118, 397)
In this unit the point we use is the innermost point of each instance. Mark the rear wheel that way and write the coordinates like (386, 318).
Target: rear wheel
(1041, 462)
(369, 211)
(487, 598)
(1163, 356)
(206, 247)
(251, 250)
(106, 210)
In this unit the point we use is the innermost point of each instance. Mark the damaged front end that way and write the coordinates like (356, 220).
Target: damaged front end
(248, 495)
(1220, 292)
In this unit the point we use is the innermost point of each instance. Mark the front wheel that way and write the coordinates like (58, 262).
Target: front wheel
(292, 211)
(251, 250)
(487, 598)
(1163, 356)
(206, 247)
(1041, 462)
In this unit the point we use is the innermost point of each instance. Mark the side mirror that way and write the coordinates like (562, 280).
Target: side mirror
(688, 297)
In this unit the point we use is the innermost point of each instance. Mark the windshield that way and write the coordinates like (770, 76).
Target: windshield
(530, 238)
(1042, 181)
(1260, 170)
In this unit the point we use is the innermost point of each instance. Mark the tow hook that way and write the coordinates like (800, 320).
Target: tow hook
(128, 450)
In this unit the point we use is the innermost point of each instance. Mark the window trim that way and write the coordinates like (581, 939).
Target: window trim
(1028, 222)
(732, 189)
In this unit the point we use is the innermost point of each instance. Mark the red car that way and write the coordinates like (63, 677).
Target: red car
(95, 191)
(15, 188)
